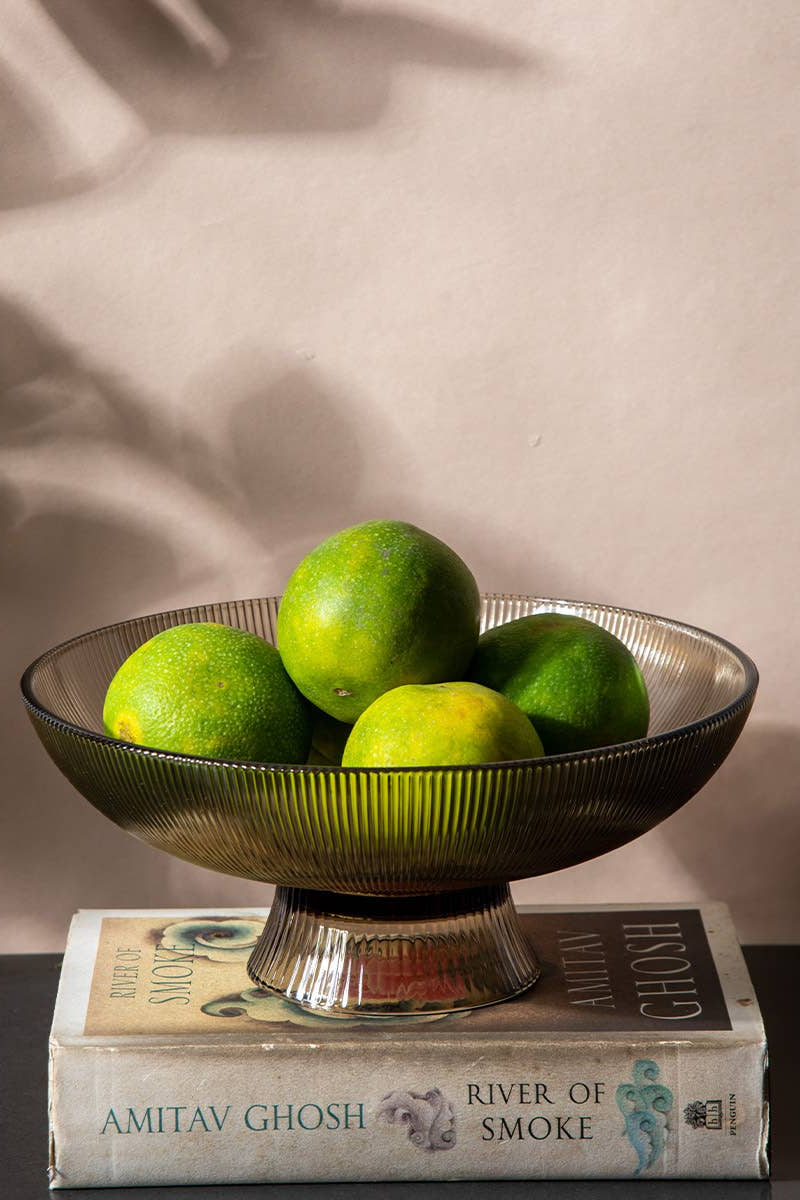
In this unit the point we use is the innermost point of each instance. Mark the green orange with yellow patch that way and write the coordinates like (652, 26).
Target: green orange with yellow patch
(374, 607)
(440, 724)
(210, 690)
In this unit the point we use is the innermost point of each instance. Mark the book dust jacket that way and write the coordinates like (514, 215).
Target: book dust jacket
(639, 1053)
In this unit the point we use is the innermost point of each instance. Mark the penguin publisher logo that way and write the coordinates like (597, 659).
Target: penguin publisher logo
(703, 1114)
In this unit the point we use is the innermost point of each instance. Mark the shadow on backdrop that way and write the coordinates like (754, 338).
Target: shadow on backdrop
(295, 468)
(107, 505)
(740, 835)
(125, 69)
(63, 567)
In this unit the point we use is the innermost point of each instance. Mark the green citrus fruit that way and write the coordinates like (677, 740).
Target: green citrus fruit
(373, 607)
(440, 724)
(211, 690)
(579, 685)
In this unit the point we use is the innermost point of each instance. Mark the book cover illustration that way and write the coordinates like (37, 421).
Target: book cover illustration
(609, 973)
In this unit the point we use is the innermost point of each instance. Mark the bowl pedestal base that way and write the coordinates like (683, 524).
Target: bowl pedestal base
(348, 956)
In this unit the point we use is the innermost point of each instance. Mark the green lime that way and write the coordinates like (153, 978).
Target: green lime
(440, 724)
(579, 685)
(210, 690)
(373, 607)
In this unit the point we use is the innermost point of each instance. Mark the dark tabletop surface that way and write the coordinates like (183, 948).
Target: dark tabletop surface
(27, 993)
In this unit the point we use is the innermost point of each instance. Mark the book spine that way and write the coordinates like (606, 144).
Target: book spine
(135, 1114)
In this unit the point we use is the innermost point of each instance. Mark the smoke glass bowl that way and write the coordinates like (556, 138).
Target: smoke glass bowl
(392, 884)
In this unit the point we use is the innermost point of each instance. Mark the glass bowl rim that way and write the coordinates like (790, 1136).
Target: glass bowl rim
(742, 700)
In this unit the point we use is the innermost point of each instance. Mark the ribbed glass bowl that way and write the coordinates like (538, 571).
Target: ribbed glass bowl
(396, 853)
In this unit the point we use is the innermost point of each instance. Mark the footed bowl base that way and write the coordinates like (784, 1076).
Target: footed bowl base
(346, 956)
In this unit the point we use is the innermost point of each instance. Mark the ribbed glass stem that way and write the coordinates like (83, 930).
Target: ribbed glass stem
(382, 956)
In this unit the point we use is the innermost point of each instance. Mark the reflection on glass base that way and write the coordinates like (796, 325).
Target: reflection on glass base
(348, 955)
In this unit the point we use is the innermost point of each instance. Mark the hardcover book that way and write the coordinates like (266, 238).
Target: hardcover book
(640, 1053)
